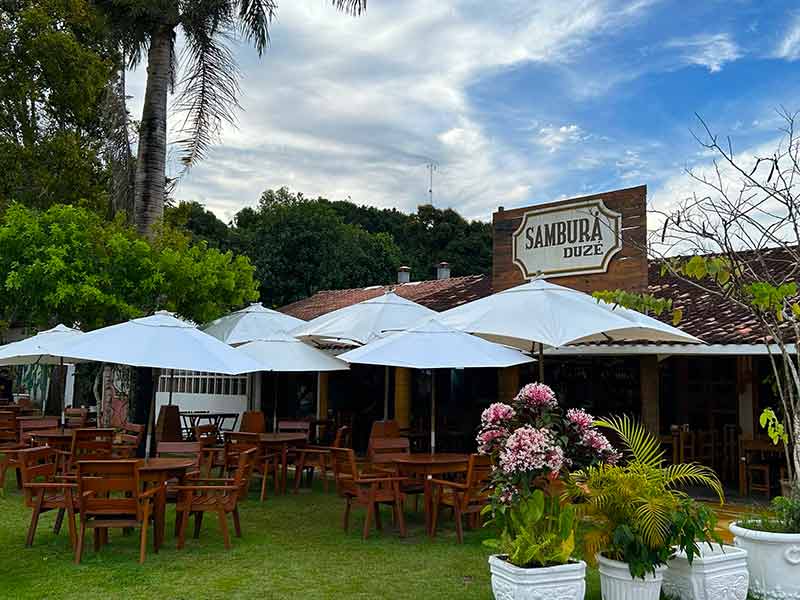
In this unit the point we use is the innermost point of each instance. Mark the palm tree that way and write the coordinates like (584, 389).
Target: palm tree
(208, 87)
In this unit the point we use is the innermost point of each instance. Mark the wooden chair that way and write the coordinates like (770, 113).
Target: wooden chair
(110, 495)
(43, 491)
(706, 443)
(369, 489)
(264, 463)
(208, 435)
(384, 429)
(253, 421)
(28, 425)
(467, 498)
(303, 427)
(381, 454)
(686, 447)
(132, 433)
(215, 495)
(90, 444)
(76, 418)
(310, 458)
(9, 440)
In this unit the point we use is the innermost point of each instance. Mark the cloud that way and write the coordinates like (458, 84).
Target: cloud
(553, 138)
(789, 46)
(708, 50)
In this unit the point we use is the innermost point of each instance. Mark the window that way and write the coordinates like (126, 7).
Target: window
(194, 382)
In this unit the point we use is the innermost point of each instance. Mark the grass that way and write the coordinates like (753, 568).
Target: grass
(292, 547)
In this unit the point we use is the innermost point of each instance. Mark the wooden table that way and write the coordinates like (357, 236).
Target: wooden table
(280, 442)
(157, 471)
(427, 465)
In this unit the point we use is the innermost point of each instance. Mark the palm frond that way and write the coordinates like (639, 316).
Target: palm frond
(351, 7)
(653, 521)
(639, 443)
(255, 17)
(693, 474)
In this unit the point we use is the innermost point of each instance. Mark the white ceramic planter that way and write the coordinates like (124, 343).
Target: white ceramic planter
(719, 573)
(616, 582)
(773, 560)
(563, 582)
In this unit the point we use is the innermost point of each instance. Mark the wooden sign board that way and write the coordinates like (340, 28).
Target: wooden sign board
(590, 243)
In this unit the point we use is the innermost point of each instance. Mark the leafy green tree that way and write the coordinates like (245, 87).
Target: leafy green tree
(200, 223)
(67, 264)
(55, 62)
(300, 246)
(147, 30)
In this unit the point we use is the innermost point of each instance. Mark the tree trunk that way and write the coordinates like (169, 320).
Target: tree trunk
(150, 178)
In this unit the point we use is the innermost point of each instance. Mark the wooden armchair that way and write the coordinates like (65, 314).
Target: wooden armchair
(90, 444)
(382, 452)
(44, 491)
(465, 498)
(264, 463)
(310, 458)
(369, 489)
(253, 421)
(76, 418)
(215, 495)
(132, 433)
(9, 440)
(110, 495)
(29, 425)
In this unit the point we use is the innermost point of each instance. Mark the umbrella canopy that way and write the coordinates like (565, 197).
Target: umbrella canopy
(433, 345)
(38, 349)
(159, 341)
(545, 313)
(252, 323)
(281, 352)
(360, 323)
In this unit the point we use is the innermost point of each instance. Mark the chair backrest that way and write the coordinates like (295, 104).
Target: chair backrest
(8, 426)
(76, 418)
(193, 450)
(253, 421)
(343, 438)
(133, 429)
(479, 471)
(91, 444)
(384, 429)
(36, 465)
(244, 469)
(208, 435)
(382, 451)
(109, 487)
(303, 427)
(345, 471)
(28, 424)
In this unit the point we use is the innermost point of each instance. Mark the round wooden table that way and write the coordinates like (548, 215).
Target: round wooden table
(281, 442)
(157, 471)
(427, 465)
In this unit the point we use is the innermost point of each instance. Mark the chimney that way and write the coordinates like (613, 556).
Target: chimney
(443, 270)
(403, 274)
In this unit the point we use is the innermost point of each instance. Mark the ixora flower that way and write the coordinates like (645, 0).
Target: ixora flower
(528, 450)
(497, 414)
(489, 439)
(580, 418)
(537, 395)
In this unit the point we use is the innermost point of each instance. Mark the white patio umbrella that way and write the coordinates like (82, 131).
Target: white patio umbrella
(160, 341)
(282, 353)
(540, 313)
(38, 349)
(433, 345)
(252, 323)
(360, 323)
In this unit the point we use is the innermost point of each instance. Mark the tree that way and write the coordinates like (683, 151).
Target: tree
(201, 224)
(55, 62)
(741, 244)
(209, 85)
(67, 264)
(300, 246)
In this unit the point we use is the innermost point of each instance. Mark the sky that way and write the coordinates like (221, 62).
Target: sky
(517, 102)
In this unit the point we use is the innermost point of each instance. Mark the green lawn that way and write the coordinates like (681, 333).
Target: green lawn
(292, 547)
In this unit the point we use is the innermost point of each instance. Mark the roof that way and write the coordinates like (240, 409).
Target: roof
(705, 315)
(436, 294)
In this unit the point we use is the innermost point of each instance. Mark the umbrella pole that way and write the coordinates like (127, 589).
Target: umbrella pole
(433, 411)
(541, 363)
(275, 403)
(171, 384)
(63, 391)
(151, 419)
(386, 394)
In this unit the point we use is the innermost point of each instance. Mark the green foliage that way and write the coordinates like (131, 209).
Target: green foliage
(643, 303)
(636, 511)
(300, 246)
(201, 224)
(774, 426)
(55, 62)
(535, 531)
(717, 268)
(783, 516)
(68, 265)
(771, 298)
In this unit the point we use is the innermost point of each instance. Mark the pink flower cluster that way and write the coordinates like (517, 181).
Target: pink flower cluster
(537, 396)
(600, 445)
(489, 439)
(497, 414)
(530, 449)
(580, 417)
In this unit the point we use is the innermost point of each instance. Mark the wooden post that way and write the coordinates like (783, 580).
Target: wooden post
(745, 391)
(648, 386)
(507, 383)
(402, 397)
(322, 395)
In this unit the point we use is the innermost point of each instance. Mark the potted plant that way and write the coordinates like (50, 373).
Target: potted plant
(772, 542)
(638, 516)
(533, 443)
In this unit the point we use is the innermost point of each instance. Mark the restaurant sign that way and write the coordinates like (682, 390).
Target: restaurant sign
(575, 238)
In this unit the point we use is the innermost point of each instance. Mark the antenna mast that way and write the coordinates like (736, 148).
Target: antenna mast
(431, 166)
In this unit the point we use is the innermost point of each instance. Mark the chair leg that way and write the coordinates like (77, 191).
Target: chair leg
(457, 517)
(398, 503)
(435, 513)
(237, 526)
(223, 527)
(79, 544)
(198, 523)
(368, 518)
(346, 519)
(264, 474)
(59, 521)
(97, 540)
(71, 519)
(183, 517)
(37, 510)
(143, 534)
(378, 523)
(298, 471)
